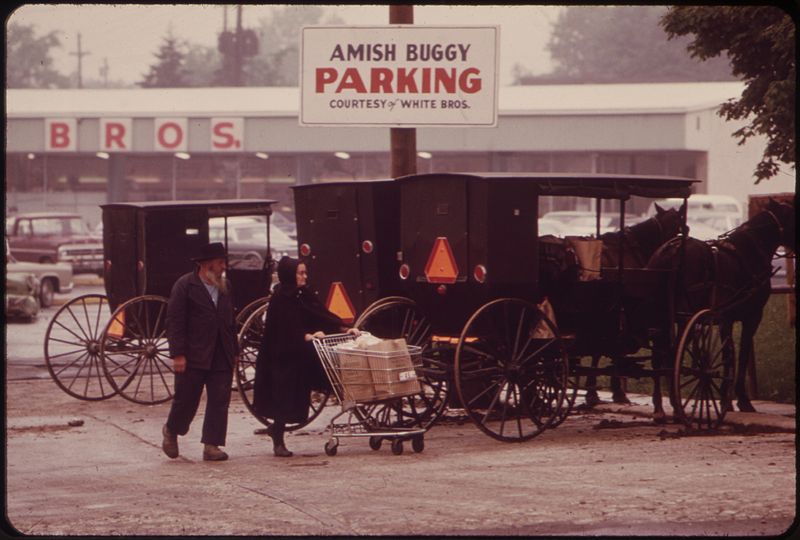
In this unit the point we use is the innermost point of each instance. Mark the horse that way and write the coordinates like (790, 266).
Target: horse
(730, 275)
(640, 242)
(559, 269)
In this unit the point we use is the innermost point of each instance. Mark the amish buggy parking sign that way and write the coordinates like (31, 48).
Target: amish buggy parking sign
(399, 75)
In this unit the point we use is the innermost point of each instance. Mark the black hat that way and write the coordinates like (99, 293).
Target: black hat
(214, 250)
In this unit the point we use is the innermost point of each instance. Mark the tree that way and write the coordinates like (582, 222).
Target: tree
(601, 44)
(169, 72)
(201, 65)
(278, 61)
(28, 60)
(760, 42)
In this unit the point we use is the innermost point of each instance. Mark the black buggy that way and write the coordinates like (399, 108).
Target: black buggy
(97, 345)
(454, 264)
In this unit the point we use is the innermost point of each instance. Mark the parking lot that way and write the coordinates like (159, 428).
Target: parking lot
(610, 471)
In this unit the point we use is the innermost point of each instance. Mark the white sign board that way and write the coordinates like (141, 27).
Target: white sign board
(399, 75)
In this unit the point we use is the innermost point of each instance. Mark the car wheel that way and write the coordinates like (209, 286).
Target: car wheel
(47, 293)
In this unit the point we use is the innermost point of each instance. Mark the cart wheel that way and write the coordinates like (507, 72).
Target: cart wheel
(248, 310)
(511, 370)
(399, 317)
(397, 446)
(135, 351)
(702, 373)
(72, 348)
(245, 373)
(418, 443)
(375, 442)
(331, 447)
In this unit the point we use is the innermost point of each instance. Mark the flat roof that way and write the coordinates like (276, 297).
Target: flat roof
(216, 207)
(561, 99)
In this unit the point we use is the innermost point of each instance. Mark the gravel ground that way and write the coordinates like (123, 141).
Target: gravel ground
(599, 473)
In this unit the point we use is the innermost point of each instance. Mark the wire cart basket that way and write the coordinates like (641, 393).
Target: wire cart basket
(362, 378)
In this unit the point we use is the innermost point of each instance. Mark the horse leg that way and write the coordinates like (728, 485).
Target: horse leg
(618, 390)
(659, 344)
(592, 398)
(749, 326)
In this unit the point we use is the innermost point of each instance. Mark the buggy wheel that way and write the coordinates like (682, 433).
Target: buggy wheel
(72, 348)
(245, 373)
(399, 317)
(573, 382)
(248, 310)
(511, 370)
(702, 374)
(135, 351)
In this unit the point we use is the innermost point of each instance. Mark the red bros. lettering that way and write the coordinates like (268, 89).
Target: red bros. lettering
(115, 134)
(59, 135)
(404, 81)
(177, 136)
(222, 138)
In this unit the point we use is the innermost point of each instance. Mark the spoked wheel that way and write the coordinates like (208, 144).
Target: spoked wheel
(703, 373)
(72, 348)
(136, 353)
(511, 370)
(248, 310)
(573, 382)
(249, 341)
(399, 317)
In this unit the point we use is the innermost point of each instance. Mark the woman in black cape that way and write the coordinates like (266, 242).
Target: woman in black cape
(287, 366)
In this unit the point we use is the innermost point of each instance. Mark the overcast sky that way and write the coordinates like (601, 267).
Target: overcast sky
(129, 35)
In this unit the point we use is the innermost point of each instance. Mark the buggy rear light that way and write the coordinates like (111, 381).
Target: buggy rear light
(479, 273)
(405, 271)
(140, 265)
(367, 246)
(442, 289)
(305, 250)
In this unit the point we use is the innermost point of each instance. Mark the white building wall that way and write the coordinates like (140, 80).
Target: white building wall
(731, 167)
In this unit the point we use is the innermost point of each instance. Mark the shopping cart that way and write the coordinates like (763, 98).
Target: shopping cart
(363, 379)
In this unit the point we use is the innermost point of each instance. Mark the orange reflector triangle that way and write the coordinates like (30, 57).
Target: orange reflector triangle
(441, 267)
(339, 303)
(117, 328)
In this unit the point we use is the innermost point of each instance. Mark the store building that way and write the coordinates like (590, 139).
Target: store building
(76, 149)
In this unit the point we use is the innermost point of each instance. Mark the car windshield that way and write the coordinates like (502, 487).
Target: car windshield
(61, 226)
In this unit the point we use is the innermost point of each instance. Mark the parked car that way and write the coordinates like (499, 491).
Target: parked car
(285, 224)
(584, 222)
(247, 240)
(53, 277)
(49, 237)
(22, 295)
(552, 227)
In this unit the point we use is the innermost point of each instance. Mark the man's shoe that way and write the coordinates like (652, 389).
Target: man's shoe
(212, 452)
(169, 443)
(281, 451)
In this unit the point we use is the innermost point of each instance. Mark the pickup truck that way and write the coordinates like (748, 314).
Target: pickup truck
(54, 237)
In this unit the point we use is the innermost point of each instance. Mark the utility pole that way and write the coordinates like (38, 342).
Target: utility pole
(237, 52)
(80, 54)
(403, 140)
(104, 72)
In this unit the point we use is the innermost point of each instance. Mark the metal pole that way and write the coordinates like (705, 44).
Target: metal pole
(403, 145)
(237, 51)
(44, 179)
(174, 178)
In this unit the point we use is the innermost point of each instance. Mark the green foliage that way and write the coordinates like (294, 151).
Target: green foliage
(201, 64)
(169, 71)
(278, 61)
(603, 44)
(28, 60)
(760, 42)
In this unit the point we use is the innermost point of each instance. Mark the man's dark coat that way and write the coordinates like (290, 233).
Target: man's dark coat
(193, 322)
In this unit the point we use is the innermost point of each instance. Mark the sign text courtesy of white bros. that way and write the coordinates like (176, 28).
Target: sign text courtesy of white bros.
(399, 75)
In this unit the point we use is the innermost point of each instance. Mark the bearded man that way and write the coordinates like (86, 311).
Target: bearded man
(203, 347)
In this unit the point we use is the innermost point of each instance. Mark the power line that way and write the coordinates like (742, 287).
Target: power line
(80, 54)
